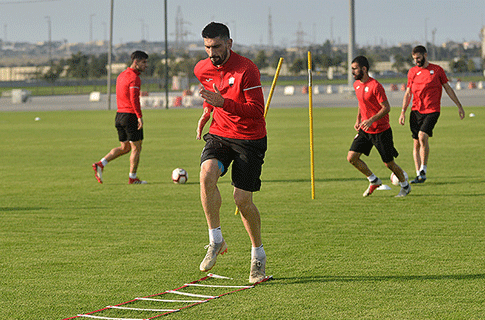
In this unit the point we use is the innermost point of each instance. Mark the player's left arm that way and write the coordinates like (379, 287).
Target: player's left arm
(134, 92)
(253, 105)
(451, 93)
(385, 108)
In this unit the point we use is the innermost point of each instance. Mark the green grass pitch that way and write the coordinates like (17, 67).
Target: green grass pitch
(69, 245)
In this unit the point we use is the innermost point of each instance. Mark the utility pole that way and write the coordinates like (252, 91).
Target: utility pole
(110, 51)
(351, 49)
(166, 57)
(50, 39)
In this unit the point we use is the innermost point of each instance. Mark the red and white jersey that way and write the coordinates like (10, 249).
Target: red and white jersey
(427, 87)
(370, 95)
(128, 92)
(238, 80)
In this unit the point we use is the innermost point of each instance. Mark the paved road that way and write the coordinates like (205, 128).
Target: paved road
(474, 97)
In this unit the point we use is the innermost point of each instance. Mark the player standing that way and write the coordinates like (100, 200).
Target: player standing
(128, 121)
(425, 85)
(232, 92)
(374, 129)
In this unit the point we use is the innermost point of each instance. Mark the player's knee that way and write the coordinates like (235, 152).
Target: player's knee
(352, 157)
(242, 199)
(209, 172)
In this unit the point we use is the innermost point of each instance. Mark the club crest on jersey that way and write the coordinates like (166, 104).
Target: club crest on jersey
(231, 81)
(366, 89)
(431, 72)
(209, 79)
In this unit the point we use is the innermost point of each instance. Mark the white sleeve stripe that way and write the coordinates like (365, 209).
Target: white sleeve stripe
(134, 87)
(252, 88)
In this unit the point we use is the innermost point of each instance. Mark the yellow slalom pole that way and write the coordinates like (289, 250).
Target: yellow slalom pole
(310, 107)
(270, 96)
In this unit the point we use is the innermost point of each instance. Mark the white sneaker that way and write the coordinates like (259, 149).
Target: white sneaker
(213, 249)
(98, 171)
(404, 191)
(372, 186)
(258, 269)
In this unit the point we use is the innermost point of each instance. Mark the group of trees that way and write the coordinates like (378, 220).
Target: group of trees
(84, 66)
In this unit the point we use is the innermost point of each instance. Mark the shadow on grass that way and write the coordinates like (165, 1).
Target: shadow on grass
(8, 209)
(314, 279)
(316, 180)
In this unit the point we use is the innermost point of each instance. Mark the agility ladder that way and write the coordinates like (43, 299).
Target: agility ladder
(186, 303)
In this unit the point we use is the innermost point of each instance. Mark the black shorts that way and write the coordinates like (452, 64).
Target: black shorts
(422, 122)
(363, 143)
(127, 125)
(247, 157)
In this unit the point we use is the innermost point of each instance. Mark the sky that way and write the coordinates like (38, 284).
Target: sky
(377, 22)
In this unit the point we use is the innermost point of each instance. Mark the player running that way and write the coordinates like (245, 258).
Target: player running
(374, 129)
(128, 121)
(425, 85)
(232, 92)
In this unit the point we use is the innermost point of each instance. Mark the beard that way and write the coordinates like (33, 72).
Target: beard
(421, 62)
(218, 60)
(359, 75)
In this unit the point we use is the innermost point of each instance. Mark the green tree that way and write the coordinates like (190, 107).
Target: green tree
(459, 65)
(298, 66)
(97, 66)
(400, 63)
(78, 65)
(261, 60)
(54, 72)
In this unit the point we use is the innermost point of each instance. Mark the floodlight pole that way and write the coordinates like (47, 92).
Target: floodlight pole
(351, 49)
(166, 58)
(110, 50)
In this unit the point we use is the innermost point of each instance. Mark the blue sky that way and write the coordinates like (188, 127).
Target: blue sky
(377, 21)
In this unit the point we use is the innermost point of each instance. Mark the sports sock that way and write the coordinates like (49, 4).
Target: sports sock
(257, 252)
(215, 235)
(104, 162)
(132, 175)
(423, 168)
(372, 177)
(404, 184)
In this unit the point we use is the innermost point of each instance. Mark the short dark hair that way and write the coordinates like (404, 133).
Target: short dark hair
(214, 30)
(419, 49)
(139, 55)
(362, 62)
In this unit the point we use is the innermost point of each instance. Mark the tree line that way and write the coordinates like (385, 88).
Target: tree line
(86, 66)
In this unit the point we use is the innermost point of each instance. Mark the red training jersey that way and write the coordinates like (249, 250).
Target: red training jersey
(426, 86)
(128, 92)
(238, 80)
(370, 95)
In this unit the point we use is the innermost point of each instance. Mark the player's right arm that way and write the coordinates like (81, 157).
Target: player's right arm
(206, 114)
(405, 102)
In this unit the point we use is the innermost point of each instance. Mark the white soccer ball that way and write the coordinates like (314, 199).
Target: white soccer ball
(395, 179)
(179, 176)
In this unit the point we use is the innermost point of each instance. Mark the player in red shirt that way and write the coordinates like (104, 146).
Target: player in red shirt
(128, 121)
(233, 94)
(373, 126)
(425, 82)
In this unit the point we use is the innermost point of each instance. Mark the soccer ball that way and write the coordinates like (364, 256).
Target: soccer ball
(179, 176)
(395, 179)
